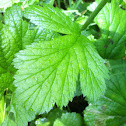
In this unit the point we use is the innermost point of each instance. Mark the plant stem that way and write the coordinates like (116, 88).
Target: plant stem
(94, 14)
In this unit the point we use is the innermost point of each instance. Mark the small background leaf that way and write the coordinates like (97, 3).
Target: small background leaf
(69, 119)
(18, 115)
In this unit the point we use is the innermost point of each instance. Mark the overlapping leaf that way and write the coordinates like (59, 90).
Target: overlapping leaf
(5, 77)
(48, 72)
(51, 18)
(111, 108)
(111, 21)
(16, 33)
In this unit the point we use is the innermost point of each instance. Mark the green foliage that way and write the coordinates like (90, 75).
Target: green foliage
(110, 109)
(112, 24)
(49, 118)
(18, 115)
(16, 33)
(46, 60)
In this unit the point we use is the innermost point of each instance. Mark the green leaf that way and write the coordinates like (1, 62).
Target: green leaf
(78, 87)
(54, 114)
(8, 122)
(12, 32)
(110, 110)
(5, 77)
(48, 72)
(18, 115)
(69, 119)
(5, 80)
(111, 21)
(3, 64)
(16, 33)
(51, 18)
(50, 117)
(38, 34)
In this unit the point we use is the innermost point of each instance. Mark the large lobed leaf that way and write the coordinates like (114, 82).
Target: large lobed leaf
(48, 72)
(111, 108)
(111, 21)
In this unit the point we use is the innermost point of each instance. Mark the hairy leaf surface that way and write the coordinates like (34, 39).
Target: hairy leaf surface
(48, 72)
(51, 18)
(111, 108)
(111, 21)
